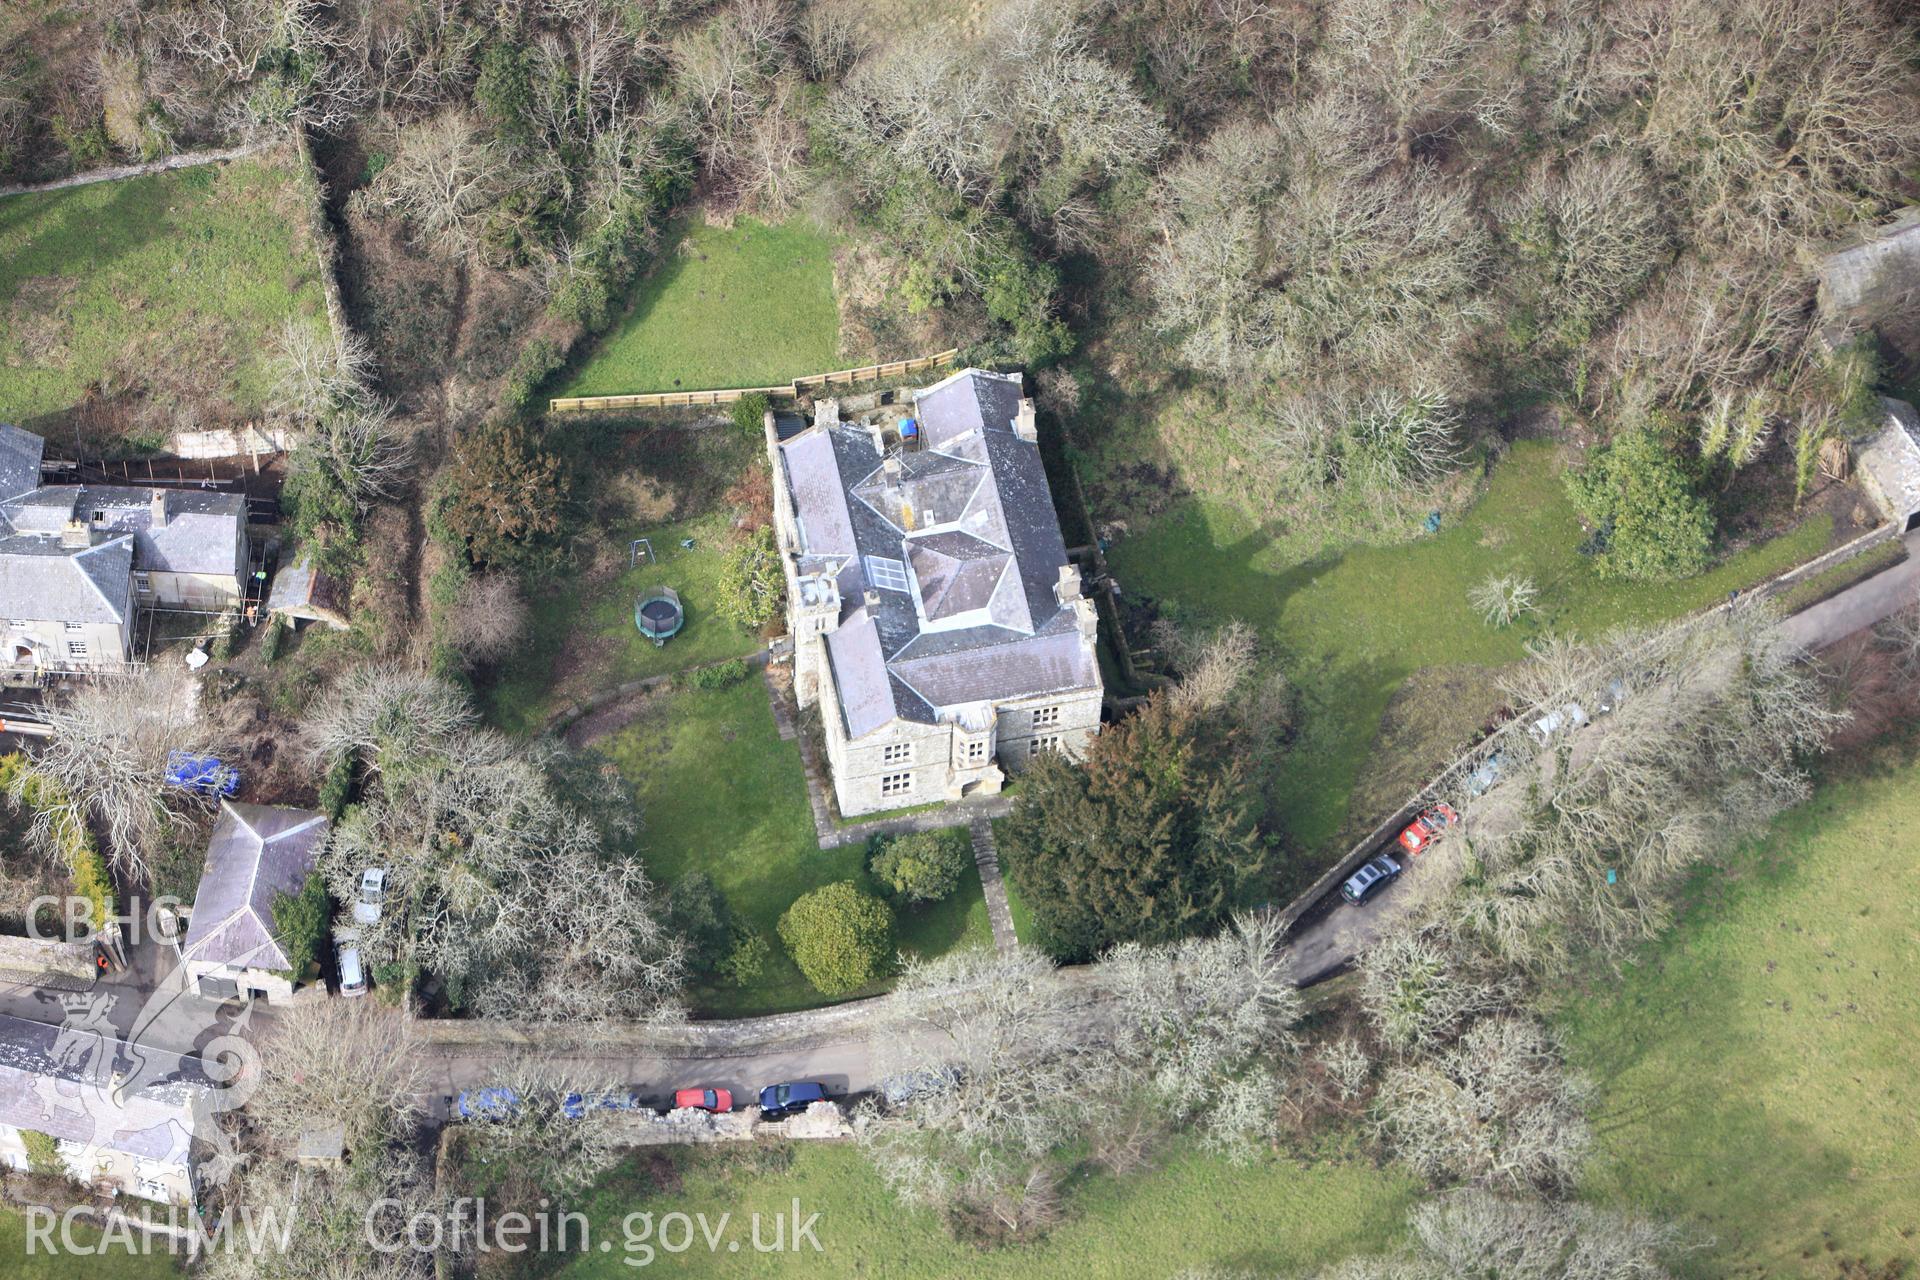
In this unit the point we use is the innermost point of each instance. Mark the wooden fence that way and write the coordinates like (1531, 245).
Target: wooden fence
(727, 395)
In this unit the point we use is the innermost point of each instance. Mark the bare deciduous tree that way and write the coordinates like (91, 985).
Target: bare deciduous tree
(1420, 993)
(1497, 1108)
(489, 618)
(107, 758)
(346, 1062)
(312, 373)
(444, 178)
(1501, 599)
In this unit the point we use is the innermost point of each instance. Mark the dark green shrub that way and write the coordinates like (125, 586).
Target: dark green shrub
(271, 639)
(747, 958)
(841, 938)
(922, 866)
(336, 789)
(697, 912)
(749, 412)
(720, 675)
(301, 921)
(1653, 526)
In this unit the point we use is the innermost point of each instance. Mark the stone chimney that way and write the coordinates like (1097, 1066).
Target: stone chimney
(872, 599)
(1023, 424)
(76, 534)
(1087, 618)
(1067, 589)
(157, 506)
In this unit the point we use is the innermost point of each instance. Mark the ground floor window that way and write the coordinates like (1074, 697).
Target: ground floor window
(76, 648)
(896, 784)
(1050, 742)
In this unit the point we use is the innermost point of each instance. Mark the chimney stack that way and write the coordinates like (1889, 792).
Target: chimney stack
(76, 534)
(1024, 425)
(157, 505)
(1067, 589)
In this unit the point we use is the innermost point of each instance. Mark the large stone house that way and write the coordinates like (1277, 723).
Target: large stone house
(78, 562)
(120, 1122)
(935, 617)
(256, 853)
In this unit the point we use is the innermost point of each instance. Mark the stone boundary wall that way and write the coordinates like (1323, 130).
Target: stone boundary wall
(68, 960)
(321, 230)
(115, 173)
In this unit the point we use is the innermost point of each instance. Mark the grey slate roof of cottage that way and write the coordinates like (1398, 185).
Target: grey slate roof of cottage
(201, 533)
(20, 454)
(49, 1081)
(256, 853)
(971, 615)
(42, 581)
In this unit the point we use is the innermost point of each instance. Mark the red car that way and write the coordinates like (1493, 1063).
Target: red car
(1426, 828)
(704, 1099)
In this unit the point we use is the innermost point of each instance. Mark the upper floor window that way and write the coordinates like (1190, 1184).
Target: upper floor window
(886, 573)
(1046, 717)
(76, 626)
(975, 752)
(898, 753)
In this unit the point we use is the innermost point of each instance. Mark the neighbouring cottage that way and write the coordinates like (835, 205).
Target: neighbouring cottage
(1889, 464)
(121, 1121)
(935, 616)
(1873, 283)
(78, 562)
(256, 853)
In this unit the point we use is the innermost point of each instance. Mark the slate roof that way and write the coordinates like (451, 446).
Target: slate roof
(46, 1083)
(20, 454)
(201, 533)
(256, 852)
(1892, 459)
(969, 519)
(42, 581)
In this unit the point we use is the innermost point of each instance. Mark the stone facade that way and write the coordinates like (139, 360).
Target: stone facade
(969, 645)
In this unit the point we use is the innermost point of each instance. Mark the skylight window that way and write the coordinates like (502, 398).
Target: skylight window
(887, 574)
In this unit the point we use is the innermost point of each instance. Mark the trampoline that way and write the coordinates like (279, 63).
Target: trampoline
(658, 614)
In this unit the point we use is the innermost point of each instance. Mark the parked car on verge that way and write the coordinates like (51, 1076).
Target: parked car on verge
(1365, 882)
(486, 1104)
(574, 1105)
(1426, 828)
(373, 888)
(1481, 780)
(703, 1099)
(778, 1101)
(898, 1090)
(353, 977)
(1570, 716)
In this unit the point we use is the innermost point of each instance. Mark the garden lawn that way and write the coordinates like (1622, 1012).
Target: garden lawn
(117, 1263)
(581, 639)
(745, 306)
(1756, 1067)
(1352, 627)
(721, 793)
(1277, 1216)
(177, 283)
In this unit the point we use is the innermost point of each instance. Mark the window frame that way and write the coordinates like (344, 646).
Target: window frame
(896, 784)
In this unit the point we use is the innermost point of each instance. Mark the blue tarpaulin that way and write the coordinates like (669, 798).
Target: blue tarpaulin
(202, 773)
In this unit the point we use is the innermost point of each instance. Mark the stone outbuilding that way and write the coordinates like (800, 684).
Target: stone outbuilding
(1888, 464)
(257, 852)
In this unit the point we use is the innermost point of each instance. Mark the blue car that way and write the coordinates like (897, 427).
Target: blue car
(486, 1104)
(778, 1101)
(574, 1105)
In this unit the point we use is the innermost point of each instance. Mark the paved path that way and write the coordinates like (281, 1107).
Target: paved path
(1860, 605)
(987, 858)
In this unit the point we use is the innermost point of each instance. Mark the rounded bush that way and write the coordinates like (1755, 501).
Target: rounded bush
(841, 938)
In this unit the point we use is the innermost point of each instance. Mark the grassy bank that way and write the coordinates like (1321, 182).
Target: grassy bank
(174, 285)
(114, 1263)
(1351, 628)
(1756, 1065)
(723, 794)
(743, 306)
(1279, 1215)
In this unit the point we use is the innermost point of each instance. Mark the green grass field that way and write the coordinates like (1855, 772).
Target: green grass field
(177, 284)
(1352, 627)
(723, 794)
(581, 637)
(1279, 1215)
(1756, 1067)
(746, 306)
(114, 1264)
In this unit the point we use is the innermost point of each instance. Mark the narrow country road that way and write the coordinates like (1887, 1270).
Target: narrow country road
(836, 1046)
